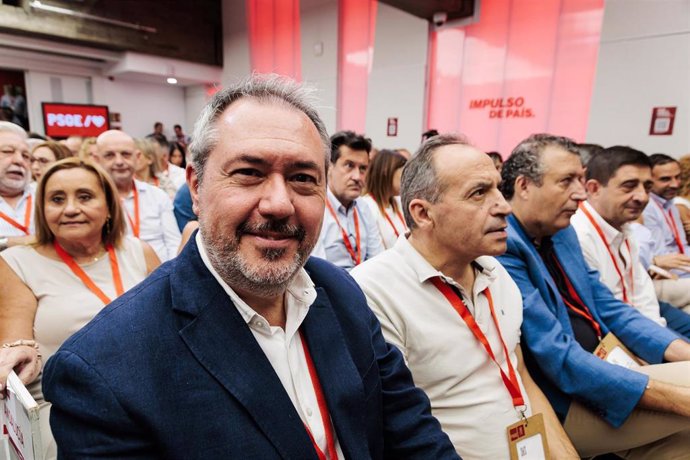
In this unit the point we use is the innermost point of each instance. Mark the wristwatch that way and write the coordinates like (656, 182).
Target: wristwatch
(4, 242)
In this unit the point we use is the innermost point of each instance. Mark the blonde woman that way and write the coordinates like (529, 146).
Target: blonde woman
(149, 167)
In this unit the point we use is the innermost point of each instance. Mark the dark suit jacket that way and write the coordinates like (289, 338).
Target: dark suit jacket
(558, 364)
(171, 370)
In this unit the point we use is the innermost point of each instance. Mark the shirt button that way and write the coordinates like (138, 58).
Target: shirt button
(309, 412)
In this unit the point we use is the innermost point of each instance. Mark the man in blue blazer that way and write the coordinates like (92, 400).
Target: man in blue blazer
(237, 349)
(567, 311)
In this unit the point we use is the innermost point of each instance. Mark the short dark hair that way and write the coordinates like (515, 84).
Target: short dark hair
(157, 124)
(525, 160)
(177, 126)
(603, 166)
(349, 139)
(429, 133)
(495, 156)
(163, 142)
(658, 159)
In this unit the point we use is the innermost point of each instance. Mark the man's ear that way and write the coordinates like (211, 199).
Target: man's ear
(193, 183)
(420, 212)
(521, 186)
(593, 187)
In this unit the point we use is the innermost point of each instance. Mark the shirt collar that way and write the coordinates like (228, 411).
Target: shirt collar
(337, 205)
(666, 204)
(300, 293)
(613, 236)
(484, 267)
(141, 186)
(28, 190)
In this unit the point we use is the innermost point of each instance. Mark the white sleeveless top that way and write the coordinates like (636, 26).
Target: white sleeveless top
(387, 229)
(65, 304)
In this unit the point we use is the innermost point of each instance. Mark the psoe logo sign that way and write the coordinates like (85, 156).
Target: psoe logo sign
(62, 120)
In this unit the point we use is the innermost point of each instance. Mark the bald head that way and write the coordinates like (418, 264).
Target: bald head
(113, 135)
(117, 153)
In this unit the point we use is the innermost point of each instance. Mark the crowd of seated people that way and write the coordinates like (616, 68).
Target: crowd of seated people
(544, 290)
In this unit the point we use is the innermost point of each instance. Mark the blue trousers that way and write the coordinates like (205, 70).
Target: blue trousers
(676, 319)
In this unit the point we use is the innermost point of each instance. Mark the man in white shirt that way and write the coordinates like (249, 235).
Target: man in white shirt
(16, 196)
(349, 235)
(668, 247)
(618, 181)
(241, 347)
(421, 288)
(148, 209)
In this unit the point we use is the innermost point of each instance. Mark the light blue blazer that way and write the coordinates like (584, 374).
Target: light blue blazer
(559, 365)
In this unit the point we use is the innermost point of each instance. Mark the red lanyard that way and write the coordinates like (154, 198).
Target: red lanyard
(156, 181)
(136, 223)
(88, 282)
(323, 409)
(613, 258)
(27, 218)
(510, 380)
(356, 256)
(671, 222)
(395, 230)
(571, 289)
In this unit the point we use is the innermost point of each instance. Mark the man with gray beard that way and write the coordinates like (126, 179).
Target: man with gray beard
(241, 347)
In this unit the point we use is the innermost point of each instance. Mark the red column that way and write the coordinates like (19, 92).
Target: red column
(274, 37)
(356, 26)
(524, 67)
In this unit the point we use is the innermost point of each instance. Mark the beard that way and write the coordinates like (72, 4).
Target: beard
(270, 274)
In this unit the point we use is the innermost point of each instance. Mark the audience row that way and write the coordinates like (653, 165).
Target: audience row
(535, 305)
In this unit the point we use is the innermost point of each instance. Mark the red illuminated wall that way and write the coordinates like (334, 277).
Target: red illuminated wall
(524, 67)
(274, 37)
(356, 25)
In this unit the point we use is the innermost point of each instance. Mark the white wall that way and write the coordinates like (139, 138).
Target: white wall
(236, 64)
(396, 83)
(139, 104)
(319, 37)
(142, 104)
(644, 62)
(50, 87)
(195, 98)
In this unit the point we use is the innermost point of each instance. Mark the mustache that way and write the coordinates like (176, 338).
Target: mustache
(273, 226)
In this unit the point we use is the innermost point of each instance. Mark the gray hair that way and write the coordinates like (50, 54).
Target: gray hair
(525, 160)
(264, 88)
(8, 127)
(420, 179)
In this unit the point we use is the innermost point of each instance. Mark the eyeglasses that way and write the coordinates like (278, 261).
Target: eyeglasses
(43, 161)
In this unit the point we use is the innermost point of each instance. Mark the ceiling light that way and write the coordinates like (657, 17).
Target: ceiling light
(172, 80)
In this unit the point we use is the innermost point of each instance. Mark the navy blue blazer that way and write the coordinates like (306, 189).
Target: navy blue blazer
(170, 370)
(560, 366)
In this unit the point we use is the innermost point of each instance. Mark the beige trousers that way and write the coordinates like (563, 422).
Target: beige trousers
(645, 435)
(675, 292)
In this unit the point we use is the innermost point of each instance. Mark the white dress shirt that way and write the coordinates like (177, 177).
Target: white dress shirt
(18, 214)
(391, 224)
(157, 226)
(464, 385)
(331, 237)
(284, 348)
(177, 175)
(635, 279)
